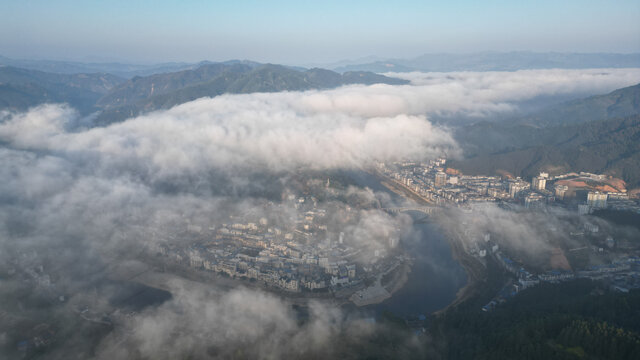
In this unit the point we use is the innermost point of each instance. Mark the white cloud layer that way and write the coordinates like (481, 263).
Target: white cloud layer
(484, 93)
(260, 131)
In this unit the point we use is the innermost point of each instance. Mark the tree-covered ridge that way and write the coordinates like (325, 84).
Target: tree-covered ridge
(575, 320)
(609, 146)
(162, 91)
(598, 134)
(118, 99)
(619, 103)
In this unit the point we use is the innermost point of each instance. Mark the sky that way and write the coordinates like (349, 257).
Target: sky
(307, 32)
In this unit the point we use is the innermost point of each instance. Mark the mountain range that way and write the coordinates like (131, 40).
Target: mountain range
(162, 91)
(493, 61)
(123, 70)
(117, 98)
(481, 61)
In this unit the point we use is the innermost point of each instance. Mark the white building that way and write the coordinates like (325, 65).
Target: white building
(597, 200)
(539, 183)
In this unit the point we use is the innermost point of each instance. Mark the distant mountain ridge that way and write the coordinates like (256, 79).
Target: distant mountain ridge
(139, 88)
(117, 98)
(497, 61)
(162, 91)
(438, 62)
(76, 67)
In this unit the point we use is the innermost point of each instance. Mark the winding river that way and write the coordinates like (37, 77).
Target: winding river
(435, 276)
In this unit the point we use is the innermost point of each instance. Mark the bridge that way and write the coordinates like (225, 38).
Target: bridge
(427, 210)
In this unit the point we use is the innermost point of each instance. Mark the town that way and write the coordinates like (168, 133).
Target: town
(599, 256)
(311, 254)
(307, 253)
(438, 185)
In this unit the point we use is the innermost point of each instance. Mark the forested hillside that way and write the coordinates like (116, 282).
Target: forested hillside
(574, 320)
(22, 88)
(569, 140)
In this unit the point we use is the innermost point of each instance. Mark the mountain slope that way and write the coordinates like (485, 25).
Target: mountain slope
(163, 91)
(619, 103)
(546, 125)
(610, 146)
(23, 88)
(139, 88)
(596, 134)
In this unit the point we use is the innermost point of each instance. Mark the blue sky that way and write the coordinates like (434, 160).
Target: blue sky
(306, 32)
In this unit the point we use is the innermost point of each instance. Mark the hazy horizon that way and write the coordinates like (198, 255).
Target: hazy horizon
(352, 60)
(292, 33)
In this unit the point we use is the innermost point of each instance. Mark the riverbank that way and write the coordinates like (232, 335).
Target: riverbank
(475, 270)
(384, 287)
(401, 190)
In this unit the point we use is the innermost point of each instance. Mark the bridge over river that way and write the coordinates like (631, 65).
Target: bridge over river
(427, 210)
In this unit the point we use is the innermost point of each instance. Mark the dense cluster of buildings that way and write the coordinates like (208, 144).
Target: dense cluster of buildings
(304, 256)
(308, 256)
(584, 192)
(436, 184)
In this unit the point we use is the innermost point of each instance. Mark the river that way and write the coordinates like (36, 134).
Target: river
(435, 276)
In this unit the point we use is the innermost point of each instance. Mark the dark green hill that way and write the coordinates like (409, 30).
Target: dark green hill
(163, 91)
(118, 98)
(547, 126)
(596, 134)
(139, 88)
(609, 146)
(580, 319)
(369, 78)
(23, 88)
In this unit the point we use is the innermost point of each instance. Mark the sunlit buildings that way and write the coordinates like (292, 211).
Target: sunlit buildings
(560, 191)
(516, 187)
(597, 200)
(539, 182)
(534, 200)
(441, 179)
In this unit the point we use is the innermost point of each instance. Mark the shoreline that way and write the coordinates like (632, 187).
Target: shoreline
(379, 292)
(475, 270)
(400, 189)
